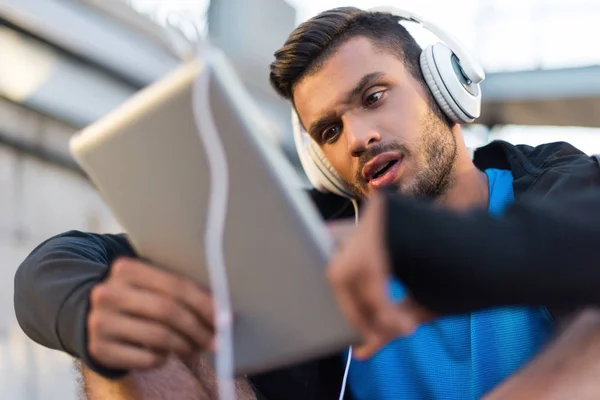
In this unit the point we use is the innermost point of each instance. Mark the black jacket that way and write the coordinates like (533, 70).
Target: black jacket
(542, 252)
(554, 224)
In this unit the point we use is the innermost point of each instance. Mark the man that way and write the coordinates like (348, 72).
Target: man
(76, 293)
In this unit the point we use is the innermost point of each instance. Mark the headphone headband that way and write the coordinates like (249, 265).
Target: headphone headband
(470, 67)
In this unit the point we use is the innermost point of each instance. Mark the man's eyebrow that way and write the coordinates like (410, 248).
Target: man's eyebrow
(350, 97)
(360, 87)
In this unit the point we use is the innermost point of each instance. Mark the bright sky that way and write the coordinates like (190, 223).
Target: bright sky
(502, 34)
(506, 34)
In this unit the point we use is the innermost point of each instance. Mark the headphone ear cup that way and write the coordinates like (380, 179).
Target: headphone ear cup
(319, 171)
(330, 178)
(459, 100)
(310, 169)
(434, 81)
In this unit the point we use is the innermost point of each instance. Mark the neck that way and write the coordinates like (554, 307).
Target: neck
(469, 187)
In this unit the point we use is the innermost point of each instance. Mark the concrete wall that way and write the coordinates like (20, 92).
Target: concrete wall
(38, 200)
(250, 47)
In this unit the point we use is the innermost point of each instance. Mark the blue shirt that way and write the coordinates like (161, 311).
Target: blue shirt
(458, 357)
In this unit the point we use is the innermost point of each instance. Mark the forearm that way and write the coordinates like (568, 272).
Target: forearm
(171, 381)
(567, 369)
(204, 374)
(461, 263)
(194, 380)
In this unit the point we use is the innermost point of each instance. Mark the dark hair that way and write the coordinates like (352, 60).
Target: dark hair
(311, 43)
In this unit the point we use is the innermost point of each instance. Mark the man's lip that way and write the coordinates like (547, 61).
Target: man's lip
(387, 178)
(378, 162)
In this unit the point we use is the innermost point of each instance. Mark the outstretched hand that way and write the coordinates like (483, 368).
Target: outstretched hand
(359, 274)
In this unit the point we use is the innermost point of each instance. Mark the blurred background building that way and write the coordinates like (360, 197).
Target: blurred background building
(66, 63)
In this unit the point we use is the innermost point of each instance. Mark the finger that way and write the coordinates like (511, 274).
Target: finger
(380, 333)
(341, 276)
(397, 325)
(371, 294)
(414, 312)
(381, 320)
(151, 278)
(341, 227)
(340, 231)
(151, 307)
(120, 355)
(112, 326)
(369, 348)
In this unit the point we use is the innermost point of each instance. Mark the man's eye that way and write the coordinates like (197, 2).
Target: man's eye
(330, 134)
(373, 99)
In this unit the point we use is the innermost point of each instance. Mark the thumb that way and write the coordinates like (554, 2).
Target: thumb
(341, 231)
(415, 312)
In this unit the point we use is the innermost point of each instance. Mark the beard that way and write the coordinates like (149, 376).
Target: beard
(438, 150)
(433, 159)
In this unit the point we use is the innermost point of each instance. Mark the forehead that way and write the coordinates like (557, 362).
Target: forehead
(324, 89)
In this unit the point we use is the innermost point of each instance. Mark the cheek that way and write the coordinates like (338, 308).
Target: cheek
(403, 113)
(339, 160)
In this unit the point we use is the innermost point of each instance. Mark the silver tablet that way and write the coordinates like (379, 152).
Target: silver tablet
(148, 161)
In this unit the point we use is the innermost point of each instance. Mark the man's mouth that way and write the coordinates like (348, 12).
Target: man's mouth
(382, 170)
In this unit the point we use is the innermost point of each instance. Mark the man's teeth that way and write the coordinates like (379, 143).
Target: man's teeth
(383, 168)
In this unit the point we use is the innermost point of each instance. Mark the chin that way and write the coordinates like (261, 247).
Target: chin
(388, 189)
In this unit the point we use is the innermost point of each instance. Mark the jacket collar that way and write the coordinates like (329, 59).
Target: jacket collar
(530, 164)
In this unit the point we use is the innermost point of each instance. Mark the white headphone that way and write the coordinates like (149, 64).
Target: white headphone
(452, 76)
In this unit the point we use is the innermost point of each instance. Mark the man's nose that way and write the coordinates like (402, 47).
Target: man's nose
(360, 135)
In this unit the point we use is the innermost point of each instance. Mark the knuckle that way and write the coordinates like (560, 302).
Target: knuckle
(150, 359)
(181, 346)
(177, 287)
(155, 360)
(185, 322)
(120, 267)
(100, 294)
(167, 310)
(334, 273)
(195, 329)
(188, 287)
(96, 349)
(95, 322)
(207, 341)
(162, 337)
(411, 328)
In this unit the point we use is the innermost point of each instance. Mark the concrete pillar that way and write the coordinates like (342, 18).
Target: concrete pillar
(37, 200)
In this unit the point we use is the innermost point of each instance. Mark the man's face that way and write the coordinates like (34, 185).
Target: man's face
(373, 121)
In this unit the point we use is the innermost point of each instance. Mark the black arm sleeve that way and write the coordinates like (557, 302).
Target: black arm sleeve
(540, 252)
(52, 288)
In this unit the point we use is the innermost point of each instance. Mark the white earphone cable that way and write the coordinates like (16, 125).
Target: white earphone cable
(349, 360)
(215, 226)
(355, 204)
(346, 371)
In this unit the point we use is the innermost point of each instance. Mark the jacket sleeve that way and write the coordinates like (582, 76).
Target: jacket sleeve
(540, 252)
(52, 288)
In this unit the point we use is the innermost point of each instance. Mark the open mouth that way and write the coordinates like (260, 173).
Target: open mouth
(383, 169)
